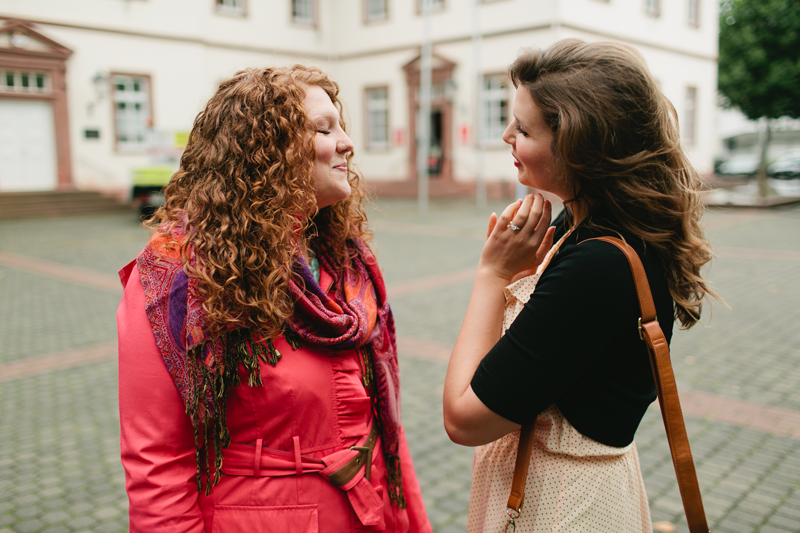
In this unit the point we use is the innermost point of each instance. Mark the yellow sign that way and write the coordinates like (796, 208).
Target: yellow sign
(181, 139)
(152, 176)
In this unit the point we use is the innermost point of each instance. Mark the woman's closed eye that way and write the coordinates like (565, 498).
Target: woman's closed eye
(519, 129)
(324, 132)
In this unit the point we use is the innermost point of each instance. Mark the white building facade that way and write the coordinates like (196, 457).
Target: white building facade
(103, 89)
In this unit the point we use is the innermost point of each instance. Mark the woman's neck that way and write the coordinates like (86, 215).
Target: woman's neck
(578, 209)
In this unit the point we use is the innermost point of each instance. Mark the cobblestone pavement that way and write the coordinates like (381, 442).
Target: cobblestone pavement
(739, 374)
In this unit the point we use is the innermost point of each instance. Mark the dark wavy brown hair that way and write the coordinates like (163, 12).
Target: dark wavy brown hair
(616, 141)
(245, 192)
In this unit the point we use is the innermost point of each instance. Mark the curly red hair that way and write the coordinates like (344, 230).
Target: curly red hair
(245, 193)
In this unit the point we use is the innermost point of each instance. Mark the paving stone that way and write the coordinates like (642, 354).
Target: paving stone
(106, 513)
(790, 512)
(81, 522)
(29, 526)
(733, 527)
(57, 529)
(769, 528)
(54, 517)
(109, 527)
(786, 523)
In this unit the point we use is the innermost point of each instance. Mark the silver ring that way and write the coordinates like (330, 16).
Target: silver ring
(514, 227)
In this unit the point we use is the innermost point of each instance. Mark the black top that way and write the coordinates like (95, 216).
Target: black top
(576, 342)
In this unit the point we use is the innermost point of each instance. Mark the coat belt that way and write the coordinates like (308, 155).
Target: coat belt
(348, 469)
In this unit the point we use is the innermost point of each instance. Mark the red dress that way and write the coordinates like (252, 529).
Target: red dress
(312, 404)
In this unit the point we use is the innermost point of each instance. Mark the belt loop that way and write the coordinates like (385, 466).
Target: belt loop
(298, 462)
(257, 459)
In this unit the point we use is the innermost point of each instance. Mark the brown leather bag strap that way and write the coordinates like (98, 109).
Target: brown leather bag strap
(517, 497)
(657, 347)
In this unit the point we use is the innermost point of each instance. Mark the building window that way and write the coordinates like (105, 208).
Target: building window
(690, 116)
(24, 82)
(652, 7)
(377, 100)
(376, 10)
(694, 13)
(435, 5)
(231, 7)
(495, 107)
(131, 111)
(304, 12)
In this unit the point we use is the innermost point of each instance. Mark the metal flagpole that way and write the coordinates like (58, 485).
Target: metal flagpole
(480, 115)
(424, 117)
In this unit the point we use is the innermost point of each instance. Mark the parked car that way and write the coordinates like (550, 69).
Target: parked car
(148, 183)
(786, 166)
(740, 165)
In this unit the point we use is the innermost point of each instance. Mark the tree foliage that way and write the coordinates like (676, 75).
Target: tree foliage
(759, 57)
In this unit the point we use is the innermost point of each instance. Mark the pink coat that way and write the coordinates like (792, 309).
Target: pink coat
(312, 404)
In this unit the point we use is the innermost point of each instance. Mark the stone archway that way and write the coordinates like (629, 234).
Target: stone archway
(33, 100)
(441, 161)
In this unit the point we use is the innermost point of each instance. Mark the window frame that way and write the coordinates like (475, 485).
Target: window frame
(126, 147)
(32, 75)
(689, 133)
(652, 8)
(314, 8)
(369, 143)
(221, 9)
(373, 20)
(441, 5)
(693, 13)
(486, 133)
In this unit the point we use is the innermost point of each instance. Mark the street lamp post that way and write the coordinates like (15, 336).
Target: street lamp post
(424, 118)
(480, 182)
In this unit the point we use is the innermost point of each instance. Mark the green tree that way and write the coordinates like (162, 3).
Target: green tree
(759, 61)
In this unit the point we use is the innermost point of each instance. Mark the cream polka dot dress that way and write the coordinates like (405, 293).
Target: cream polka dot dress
(574, 484)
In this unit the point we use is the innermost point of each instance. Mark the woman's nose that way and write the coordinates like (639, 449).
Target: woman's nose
(508, 136)
(345, 144)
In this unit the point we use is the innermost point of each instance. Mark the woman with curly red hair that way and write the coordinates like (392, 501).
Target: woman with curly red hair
(257, 358)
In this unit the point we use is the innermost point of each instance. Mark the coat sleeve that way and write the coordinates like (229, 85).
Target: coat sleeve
(156, 436)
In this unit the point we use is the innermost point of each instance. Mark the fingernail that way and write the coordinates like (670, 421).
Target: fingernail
(547, 203)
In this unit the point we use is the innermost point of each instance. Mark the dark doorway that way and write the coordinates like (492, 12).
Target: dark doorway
(435, 151)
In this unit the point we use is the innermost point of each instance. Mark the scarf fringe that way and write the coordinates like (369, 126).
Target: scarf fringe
(246, 348)
(367, 373)
(395, 477)
(292, 338)
(238, 347)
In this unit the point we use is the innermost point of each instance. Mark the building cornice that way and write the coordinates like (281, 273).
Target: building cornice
(376, 51)
(523, 29)
(180, 39)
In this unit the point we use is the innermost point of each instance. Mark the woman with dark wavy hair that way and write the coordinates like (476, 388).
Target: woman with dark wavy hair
(257, 358)
(550, 334)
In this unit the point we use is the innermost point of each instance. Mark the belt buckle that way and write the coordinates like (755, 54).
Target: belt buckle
(368, 462)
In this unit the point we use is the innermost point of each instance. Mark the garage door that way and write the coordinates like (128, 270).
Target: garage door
(27, 146)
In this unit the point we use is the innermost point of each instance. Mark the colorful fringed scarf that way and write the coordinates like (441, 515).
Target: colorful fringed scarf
(355, 316)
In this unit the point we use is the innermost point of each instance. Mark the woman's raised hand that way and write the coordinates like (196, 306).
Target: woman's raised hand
(518, 240)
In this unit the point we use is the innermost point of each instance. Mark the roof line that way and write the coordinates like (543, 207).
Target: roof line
(374, 52)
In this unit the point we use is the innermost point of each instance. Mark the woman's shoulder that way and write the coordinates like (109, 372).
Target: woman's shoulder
(588, 262)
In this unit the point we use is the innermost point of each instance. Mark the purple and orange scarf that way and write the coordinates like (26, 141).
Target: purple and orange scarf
(354, 316)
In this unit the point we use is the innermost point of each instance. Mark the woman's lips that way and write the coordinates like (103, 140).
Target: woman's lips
(341, 168)
(516, 161)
